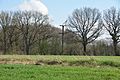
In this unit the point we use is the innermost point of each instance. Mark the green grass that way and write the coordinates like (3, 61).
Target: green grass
(113, 61)
(33, 72)
(61, 58)
(79, 68)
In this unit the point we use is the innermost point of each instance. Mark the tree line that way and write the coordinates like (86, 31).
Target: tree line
(30, 33)
(88, 23)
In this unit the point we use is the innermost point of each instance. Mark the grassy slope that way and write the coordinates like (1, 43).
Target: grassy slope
(60, 58)
(32, 72)
(77, 60)
(58, 72)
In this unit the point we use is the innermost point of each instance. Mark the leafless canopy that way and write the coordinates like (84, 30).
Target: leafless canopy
(30, 25)
(87, 24)
(5, 22)
(112, 25)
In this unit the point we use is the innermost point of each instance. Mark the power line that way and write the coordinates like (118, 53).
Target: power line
(63, 33)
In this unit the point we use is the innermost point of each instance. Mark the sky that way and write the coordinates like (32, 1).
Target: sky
(58, 10)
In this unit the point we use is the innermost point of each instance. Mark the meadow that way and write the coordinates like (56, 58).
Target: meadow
(21, 67)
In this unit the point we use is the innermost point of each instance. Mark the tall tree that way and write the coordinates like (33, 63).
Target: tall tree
(112, 25)
(30, 23)
(5, 22)
(87, 24)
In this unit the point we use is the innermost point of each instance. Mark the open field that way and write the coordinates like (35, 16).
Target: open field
(20, 67)
(58, 58)
(113, 61)
(33, 72)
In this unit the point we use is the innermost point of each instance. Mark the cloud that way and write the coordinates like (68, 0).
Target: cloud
(34, 5)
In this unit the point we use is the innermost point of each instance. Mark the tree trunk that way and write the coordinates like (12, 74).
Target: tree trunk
(84, 49)
(26, 46)
(27, 50)
(115, 48)
(4, 42)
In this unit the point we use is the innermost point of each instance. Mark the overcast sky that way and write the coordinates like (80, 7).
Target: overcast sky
(58, 10)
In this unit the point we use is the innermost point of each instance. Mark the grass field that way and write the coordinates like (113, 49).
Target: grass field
(71, 68)
(32, 72)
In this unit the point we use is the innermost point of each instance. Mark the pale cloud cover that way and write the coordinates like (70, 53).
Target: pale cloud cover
(33, 5)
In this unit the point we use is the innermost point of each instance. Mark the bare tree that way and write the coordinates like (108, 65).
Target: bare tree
(112, 25)
(30, 23)
(87, 24)
(5, 22)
